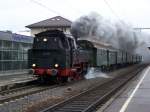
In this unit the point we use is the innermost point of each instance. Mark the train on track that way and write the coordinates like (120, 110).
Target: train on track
(59, 56)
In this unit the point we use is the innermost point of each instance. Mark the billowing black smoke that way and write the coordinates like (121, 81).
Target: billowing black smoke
(85, 26)
(119, 34)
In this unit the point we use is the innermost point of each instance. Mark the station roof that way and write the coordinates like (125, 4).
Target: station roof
(9, 36)
(5, 36)
(57, 21)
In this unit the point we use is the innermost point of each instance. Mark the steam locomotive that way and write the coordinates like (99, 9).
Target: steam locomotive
(59, 56)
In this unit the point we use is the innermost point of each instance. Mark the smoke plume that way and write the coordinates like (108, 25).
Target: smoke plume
(119, 34)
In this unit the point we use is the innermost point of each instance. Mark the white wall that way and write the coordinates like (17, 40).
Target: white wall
(38, 30)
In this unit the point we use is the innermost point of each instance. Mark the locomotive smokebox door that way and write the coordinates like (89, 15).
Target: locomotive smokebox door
(51, 50)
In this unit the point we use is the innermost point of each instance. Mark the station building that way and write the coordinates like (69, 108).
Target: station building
(57, 22)
(13, 51)
(14, 47)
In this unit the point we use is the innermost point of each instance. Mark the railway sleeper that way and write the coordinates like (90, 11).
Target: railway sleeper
(70, 110)
(93, 102)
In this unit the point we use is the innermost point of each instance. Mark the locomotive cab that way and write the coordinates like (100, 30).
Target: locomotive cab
(51, 54)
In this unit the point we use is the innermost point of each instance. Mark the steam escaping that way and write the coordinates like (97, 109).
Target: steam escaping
(119, 34)
(93, 73)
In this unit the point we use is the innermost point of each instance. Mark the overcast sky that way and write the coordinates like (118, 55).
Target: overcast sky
(16, 14)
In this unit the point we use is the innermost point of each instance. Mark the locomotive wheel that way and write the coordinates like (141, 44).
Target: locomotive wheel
(41, 80)
(70, 79)
(62, 79)
(85, 69)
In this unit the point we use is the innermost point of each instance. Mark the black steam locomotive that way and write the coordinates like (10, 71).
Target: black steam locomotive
(58, 56)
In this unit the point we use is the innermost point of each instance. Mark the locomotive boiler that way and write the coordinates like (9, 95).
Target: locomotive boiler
(55, 56)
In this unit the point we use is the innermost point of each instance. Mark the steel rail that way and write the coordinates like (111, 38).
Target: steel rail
(16, 93)
(87, 101)
(25, 91)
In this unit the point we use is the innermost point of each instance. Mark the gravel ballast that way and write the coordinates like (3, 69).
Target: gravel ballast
(39, 101)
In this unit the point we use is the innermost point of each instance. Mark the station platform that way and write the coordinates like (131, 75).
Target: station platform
(12, 78)
(135, 98)
(13, 72)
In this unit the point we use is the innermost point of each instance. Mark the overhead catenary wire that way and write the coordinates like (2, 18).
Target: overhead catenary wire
(114, 13)
(111, 9)
(74, 8)
(59, 14)
(54, 11)
(44, 6)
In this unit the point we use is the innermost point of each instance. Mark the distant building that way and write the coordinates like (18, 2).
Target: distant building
(57, 22)
(13, 51)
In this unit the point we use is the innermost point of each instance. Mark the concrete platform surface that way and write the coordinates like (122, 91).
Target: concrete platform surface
(14, 72)
(13, 78)
(136, 98)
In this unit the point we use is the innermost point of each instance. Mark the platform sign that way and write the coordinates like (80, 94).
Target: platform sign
(5, 36)
(22, 38)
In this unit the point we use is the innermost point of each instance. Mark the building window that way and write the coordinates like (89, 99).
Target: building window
(16, 45)
(14, 56)
(0, 44)
(6, 55)
(7, 44)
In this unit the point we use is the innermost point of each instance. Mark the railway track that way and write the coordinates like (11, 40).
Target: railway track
(25, 90)
(16, 89)
(88, 101)
(9, 95)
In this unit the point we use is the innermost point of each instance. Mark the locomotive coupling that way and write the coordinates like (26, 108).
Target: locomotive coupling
(54, 72)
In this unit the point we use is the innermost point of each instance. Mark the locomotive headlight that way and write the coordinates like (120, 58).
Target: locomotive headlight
(33, 65)
(56, 65)
(45, 39)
